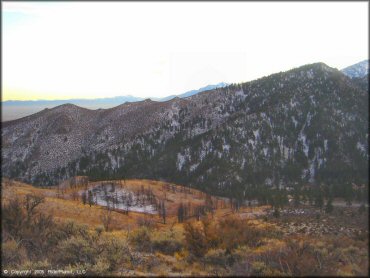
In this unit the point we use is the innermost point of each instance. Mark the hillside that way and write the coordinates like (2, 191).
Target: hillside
(308, 124)
(65, 202)
(199, 234)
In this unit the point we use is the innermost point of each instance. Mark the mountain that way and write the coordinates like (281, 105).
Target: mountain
(306, 125)
(194, 92)
(358, 70)
(15, 109)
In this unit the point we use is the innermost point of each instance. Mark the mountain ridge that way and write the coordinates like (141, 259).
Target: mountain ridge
(12, 109)
(217, 140)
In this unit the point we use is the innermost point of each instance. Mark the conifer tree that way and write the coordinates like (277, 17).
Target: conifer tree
(329, 205)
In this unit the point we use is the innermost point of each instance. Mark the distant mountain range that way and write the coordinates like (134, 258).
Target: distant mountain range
(12, 110)
(358, 70)
(194, 92)
(305, 125)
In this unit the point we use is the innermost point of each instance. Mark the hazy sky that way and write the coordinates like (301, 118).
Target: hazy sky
(95, 49)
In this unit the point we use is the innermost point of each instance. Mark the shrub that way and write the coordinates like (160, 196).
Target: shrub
(101, 267)
(301, 258)
(146, 222)
(264, 269)
(99, 230)
(216, 257)
(140, 238)
(210, 232)
(182, 254)
(44, 264)
(167, 246)
(234, 232)
(33, 231)
(167, 242)
(12, 253)
(195, 239)
(75, 250)
(259, 268)
(116, 251)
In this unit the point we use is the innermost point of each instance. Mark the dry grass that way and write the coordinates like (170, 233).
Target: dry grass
(272, 242)
(62, 206)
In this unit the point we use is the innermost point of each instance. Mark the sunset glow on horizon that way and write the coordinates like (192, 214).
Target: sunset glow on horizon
(57, 50)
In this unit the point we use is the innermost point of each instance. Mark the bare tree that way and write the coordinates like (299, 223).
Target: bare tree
(209, 203)
(31, 202)
(115, 200)
(84, 197)
(180, 213)
(106, 218)
(85, 181)
(128, 202)
(90, 198)
(72, 182)
(162, 211)
(75, 196)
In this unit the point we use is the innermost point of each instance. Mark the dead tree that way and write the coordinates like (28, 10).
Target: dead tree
(90, 198)
(180, 213)
(75, 196)
(31, 202)
(162, 211)
(106, 218)
(84, 197)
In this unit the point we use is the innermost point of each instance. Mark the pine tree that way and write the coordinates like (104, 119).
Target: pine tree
(276, 212)
(349, 193)
(319, 200)
(329, 205)
(296, 198)
(362, 209)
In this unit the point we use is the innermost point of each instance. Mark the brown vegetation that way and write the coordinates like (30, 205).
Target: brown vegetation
(42, 231)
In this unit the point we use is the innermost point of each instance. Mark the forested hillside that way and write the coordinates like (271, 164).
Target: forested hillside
(306, 125)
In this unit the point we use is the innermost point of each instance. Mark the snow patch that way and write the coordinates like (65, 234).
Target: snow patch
(120, 199)
(325, 144)
(226, 147)
(310, 74)
(193, 167)
(302, 137)
(180, 161)
(240, 94)
(312, 171)
(294, 121)
(268, 181)
(361, 147)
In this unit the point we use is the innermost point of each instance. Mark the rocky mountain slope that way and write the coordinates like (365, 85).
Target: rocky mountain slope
(309, 124)
(358, 70)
